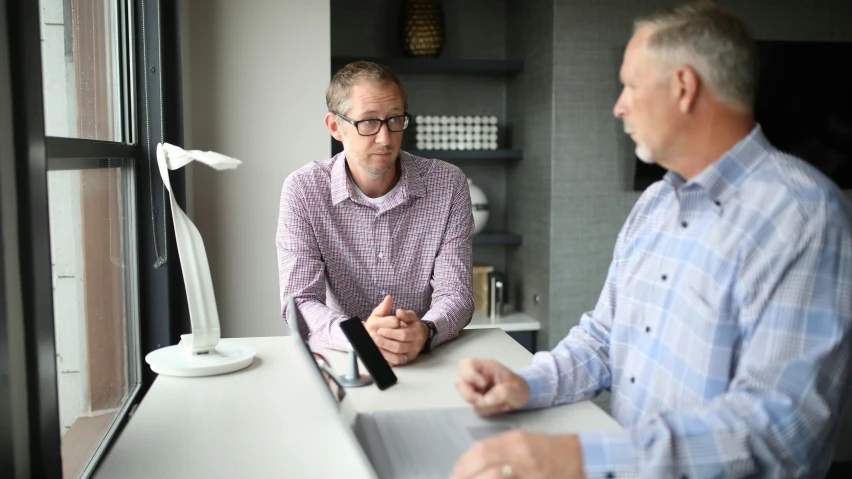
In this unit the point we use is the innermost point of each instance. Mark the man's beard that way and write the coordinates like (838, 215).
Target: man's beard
(374, 170)
(644, 155)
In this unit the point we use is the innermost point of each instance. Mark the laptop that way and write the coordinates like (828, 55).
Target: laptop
(422, 443)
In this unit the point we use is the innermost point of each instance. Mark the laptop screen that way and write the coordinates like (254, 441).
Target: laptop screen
(296, 322)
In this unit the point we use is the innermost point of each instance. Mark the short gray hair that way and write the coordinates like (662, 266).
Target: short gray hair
(714, 42)
(337, 97)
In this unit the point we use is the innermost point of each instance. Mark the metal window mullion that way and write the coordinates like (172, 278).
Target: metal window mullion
(131, 275)
(60, 149)
(128, 71)
(33, 239)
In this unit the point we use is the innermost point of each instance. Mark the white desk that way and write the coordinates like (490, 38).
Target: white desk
(259, 422)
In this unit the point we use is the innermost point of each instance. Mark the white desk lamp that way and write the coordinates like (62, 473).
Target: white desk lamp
(201, 353)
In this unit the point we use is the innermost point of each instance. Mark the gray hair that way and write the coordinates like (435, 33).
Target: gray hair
(337, 96)
(714, 42)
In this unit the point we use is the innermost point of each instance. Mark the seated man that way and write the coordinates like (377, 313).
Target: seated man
(724, 329)
(375, 232)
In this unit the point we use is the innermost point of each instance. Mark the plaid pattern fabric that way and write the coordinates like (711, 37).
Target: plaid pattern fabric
(723, 328)
(339, 256)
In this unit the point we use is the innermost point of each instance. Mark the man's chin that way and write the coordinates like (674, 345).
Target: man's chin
(644, 155)
(380, 165)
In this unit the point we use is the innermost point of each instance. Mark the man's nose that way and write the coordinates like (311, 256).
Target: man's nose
(384, 135)
(619, 109)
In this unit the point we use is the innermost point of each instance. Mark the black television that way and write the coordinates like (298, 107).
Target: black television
(803, 104)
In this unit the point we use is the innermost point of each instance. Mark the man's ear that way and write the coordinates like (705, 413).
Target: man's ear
(333, 126)
(685, 88)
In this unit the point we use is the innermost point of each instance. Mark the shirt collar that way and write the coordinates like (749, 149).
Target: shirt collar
(411, 179)
(721, 177)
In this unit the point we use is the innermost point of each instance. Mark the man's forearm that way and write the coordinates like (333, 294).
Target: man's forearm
(323, 323)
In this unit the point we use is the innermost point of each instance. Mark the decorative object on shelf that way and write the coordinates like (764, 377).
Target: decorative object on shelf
(479, 203)
(496, 294)
(480, 287)
(444, 132)
(421, 28)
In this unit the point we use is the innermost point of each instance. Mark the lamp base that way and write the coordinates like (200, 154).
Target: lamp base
(176, 360)
(356, 382)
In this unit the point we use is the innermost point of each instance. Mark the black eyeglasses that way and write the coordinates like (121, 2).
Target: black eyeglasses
(371, 126)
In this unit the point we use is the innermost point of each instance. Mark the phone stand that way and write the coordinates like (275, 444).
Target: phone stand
(353, 378)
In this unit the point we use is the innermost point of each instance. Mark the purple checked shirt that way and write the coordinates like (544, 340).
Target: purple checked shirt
(338, 255)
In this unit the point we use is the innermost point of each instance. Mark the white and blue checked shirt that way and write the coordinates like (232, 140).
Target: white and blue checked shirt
(723, 328)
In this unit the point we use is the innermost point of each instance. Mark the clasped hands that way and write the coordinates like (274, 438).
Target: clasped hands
(400, 337)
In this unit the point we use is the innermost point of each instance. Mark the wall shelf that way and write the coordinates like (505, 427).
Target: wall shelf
(497, 238)
(437, 65)
(454, 155)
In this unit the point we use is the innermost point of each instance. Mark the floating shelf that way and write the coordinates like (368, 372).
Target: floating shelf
(451, 155)
(437, 65)
(497, 238)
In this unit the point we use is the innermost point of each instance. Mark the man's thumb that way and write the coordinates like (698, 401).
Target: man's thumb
(496, 395)
(385, 307)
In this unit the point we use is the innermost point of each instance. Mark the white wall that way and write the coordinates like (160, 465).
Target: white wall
(255, 74)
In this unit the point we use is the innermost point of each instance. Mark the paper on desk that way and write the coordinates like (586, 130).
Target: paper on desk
(193, 256)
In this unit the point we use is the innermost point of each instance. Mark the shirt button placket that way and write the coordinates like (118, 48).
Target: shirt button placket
(381, 255)
(377, 277)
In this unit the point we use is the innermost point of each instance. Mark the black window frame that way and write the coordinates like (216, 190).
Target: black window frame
(28, 379)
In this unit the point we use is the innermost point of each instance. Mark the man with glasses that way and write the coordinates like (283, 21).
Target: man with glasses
(375, 232)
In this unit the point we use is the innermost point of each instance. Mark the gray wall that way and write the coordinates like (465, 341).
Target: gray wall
(531, 110)
(254, 88)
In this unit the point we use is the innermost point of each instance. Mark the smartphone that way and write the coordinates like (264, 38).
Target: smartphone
(369, 353)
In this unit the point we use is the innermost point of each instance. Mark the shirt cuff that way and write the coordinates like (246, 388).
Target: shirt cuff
(608, 454)
(542, 392)
(441, 323)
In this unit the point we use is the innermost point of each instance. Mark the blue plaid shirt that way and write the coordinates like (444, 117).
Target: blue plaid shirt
(723, 328)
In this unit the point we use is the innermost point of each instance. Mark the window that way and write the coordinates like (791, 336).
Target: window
(86, 285)
(90, 213)
(94, 304)
(80, 64)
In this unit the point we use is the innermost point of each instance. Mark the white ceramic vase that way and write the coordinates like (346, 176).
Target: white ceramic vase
(479, 203)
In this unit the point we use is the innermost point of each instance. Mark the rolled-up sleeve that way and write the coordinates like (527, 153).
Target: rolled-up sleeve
(301, 270)
(452, 278)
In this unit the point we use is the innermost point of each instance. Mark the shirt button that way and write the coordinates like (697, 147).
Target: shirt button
(647, 329)
(381, 255)
(663, 277)
(610, 475)
(684, 224)
(633, 380)
(717, 203)
(384, 293)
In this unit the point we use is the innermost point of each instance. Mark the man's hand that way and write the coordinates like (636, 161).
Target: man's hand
(522, 454)
(402, 344)
(400, 338)
(490, 387)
